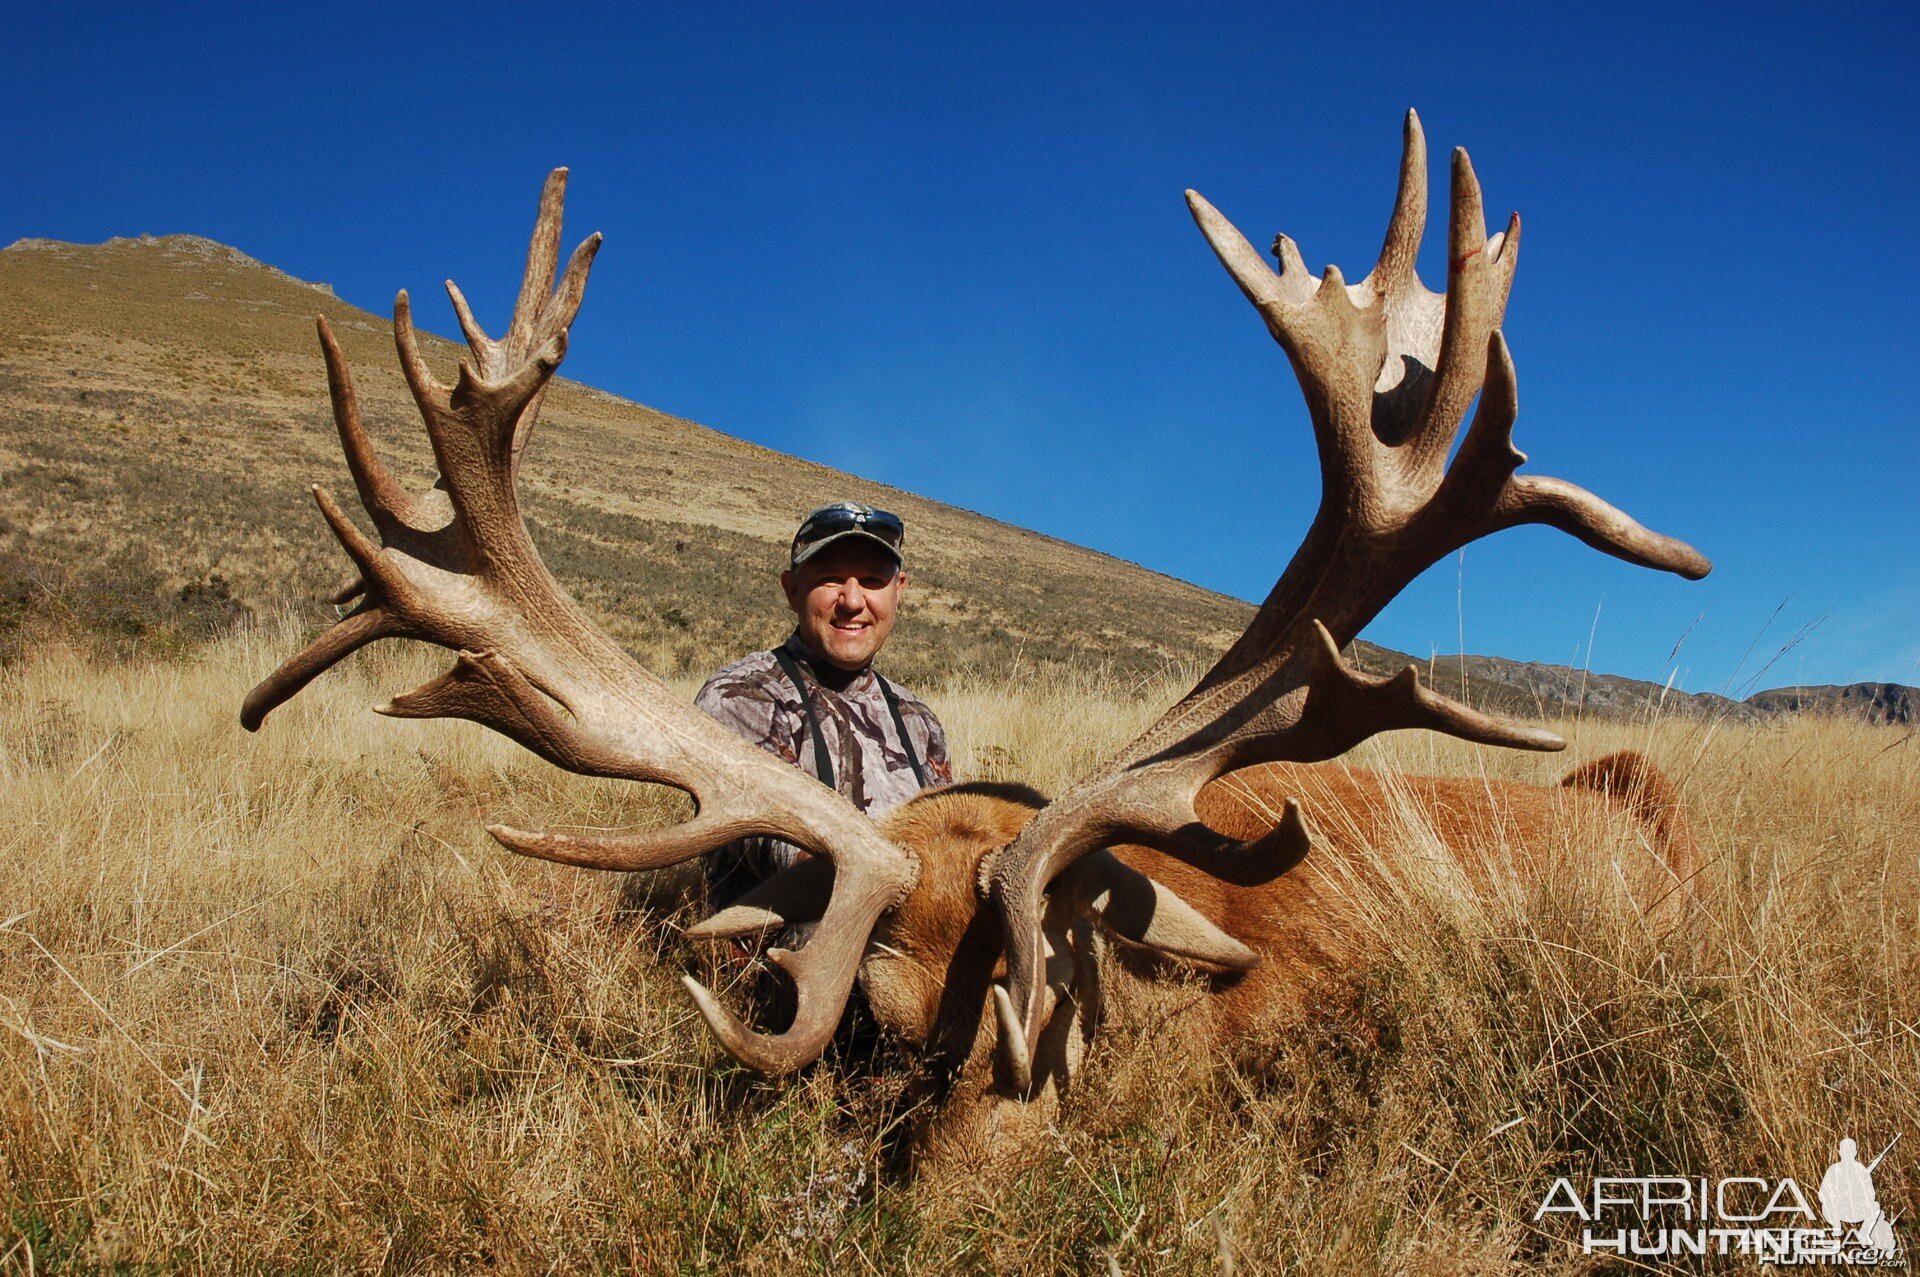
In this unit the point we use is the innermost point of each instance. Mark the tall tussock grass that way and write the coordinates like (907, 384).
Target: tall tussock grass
(276, 1002)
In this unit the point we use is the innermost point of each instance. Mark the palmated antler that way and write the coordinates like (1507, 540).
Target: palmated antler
(1389, 370)
(455, 567)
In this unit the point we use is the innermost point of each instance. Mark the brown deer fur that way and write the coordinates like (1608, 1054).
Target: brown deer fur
(932, 961)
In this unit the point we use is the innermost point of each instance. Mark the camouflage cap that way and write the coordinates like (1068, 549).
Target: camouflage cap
(843, 520)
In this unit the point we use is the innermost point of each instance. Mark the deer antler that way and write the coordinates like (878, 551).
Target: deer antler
(1388, 370)
(456, 567)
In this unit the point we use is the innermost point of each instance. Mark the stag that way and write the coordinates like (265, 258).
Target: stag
(975, 918)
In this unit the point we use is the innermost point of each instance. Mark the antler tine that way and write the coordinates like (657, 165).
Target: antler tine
(385, 500)
(543, 256)
(429, 395)
(1388, 370)
(1482, 484)
(706, 832)
(456, 567)
(822, 974)
(1400, 250)
(1579, 513)
(1476, 300)
(1249, 270)
(378, 616)
(336, 642)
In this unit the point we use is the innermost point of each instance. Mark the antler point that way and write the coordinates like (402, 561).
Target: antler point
(1013, 1040)
(525, 842)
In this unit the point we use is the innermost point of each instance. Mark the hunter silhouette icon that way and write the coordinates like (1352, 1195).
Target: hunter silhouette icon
(1848, 1201)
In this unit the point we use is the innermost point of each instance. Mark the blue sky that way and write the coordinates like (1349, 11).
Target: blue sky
(946, 249)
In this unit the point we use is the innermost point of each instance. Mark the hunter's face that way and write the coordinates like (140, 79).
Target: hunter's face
(845, 598)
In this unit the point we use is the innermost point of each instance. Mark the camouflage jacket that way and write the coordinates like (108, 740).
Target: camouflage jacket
(755, 698)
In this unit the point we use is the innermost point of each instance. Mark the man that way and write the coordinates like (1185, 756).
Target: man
(816, 700)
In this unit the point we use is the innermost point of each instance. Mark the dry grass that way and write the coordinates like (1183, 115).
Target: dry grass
(276, 1003)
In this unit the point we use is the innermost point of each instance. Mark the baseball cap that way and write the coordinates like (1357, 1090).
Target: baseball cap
(844, 519)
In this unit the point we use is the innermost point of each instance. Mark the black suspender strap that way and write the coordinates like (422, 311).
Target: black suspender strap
(822, 761)
(900, 724)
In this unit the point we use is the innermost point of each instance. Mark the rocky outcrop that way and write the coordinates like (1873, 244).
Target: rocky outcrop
(1876, 702)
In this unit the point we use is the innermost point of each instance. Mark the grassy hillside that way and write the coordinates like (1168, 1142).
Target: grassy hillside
(163, 409)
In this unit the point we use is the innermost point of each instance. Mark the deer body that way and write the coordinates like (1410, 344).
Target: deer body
(933, 961)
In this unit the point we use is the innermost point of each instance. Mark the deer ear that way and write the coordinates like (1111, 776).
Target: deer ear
(798, 893)
(1141, 911)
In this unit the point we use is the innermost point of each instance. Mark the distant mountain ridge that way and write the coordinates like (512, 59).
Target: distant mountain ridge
(1524, 687)
(163, 407)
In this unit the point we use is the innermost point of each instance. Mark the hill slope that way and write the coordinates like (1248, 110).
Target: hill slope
(163, 408)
